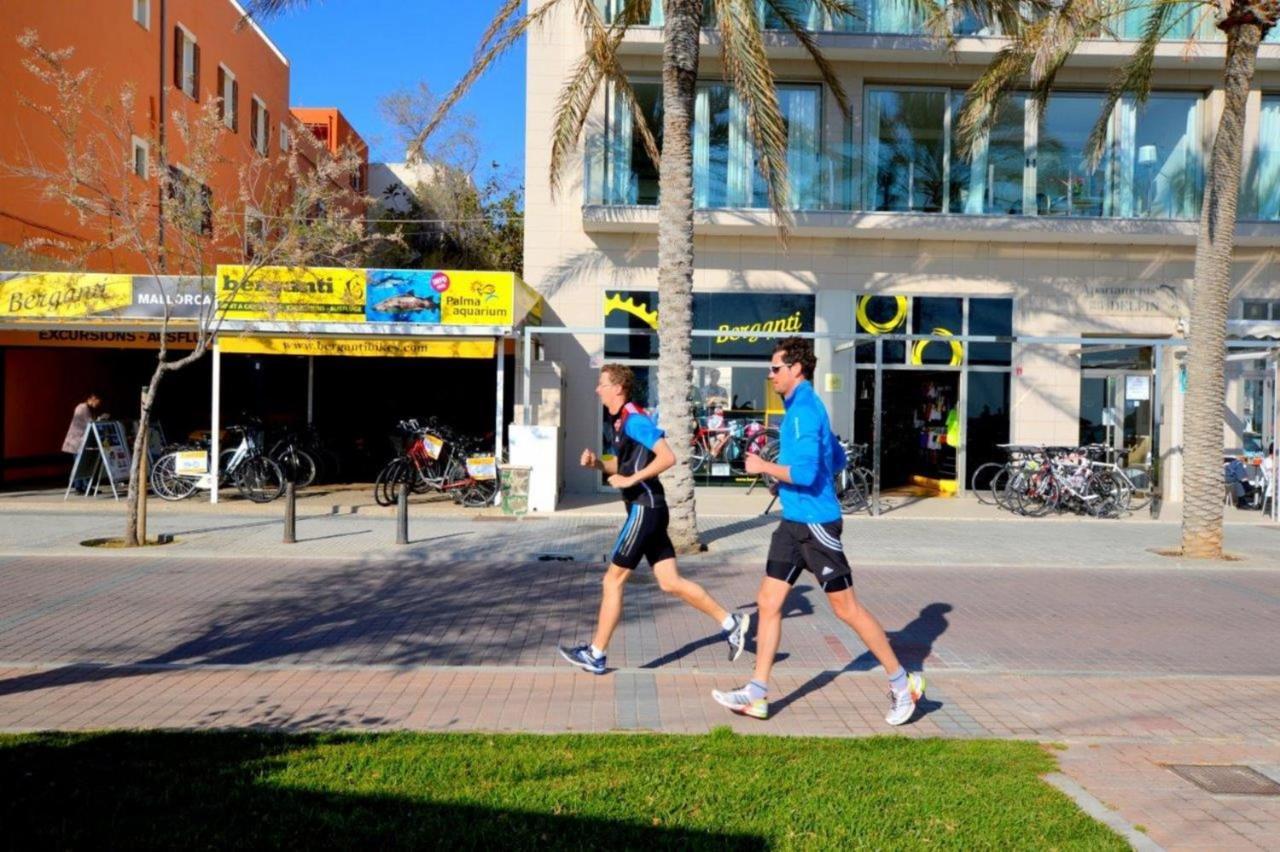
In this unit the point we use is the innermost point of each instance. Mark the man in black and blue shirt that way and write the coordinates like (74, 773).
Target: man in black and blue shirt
(640, 453)
(809, 456)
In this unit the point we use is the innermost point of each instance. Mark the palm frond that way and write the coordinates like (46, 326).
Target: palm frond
(807, 41)
(978, 112)
(748, 71)
(573, 107)
(499, 45)
(1134, 77)
(501, 20)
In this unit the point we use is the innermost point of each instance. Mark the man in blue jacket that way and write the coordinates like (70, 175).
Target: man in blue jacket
(809, 537)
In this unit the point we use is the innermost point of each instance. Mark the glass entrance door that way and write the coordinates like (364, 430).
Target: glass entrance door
(1115, 409)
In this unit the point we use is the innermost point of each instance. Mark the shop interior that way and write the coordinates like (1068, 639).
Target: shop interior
(920, 428)
(356, 404)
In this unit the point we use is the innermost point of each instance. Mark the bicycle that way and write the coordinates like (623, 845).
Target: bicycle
(258, 478)
(731, 444)
(853, 481)
(298, 464)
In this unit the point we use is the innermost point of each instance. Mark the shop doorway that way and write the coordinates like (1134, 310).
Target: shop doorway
(920, 429)
(1116, 390)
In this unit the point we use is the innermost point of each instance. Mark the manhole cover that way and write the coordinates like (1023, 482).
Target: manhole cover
(1227, 780)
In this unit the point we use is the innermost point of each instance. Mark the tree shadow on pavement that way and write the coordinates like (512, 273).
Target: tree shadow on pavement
(913, 644)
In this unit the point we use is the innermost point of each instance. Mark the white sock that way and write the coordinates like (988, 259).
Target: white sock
(596, 652)
(728, 623)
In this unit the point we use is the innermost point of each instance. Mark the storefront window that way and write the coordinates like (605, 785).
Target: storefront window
(1065, 185)
(882, 315)
(1261, 309)
(905, 142)
(987, 419)
(937, 316)
(991, 317)
(991, 179)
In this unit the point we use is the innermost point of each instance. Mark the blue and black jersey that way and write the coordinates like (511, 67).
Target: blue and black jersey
(634, 437)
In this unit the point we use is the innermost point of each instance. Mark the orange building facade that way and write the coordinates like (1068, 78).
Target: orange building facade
(176, 55)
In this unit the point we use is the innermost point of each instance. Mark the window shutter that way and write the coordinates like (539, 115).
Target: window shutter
(235, 106)
(195, 74)
(177, 57)
(266, 130)
(253, 123)
(222, 93)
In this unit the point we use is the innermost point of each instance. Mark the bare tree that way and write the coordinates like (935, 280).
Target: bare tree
(293, 208)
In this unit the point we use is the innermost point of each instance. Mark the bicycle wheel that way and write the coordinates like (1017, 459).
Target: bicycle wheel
(852, 491)
(1012, 482)
(1105, 496)
(698, 456)
(260, 479)
(769, 452)
(998, 486)
(384, 486)
(985, 493)
(297, 465)
(1041, 495)
(167, 484)
(1139, 480)
(479, 493)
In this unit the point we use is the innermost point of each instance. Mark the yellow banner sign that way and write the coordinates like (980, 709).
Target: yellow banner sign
(285, 294)
(383, 347)
(88, 338)
(64, 294)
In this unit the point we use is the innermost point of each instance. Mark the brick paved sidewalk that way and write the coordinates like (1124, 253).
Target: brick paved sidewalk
(451, 538)
(1130, 668)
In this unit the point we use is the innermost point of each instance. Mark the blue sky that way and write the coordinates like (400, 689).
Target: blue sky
(350, 53)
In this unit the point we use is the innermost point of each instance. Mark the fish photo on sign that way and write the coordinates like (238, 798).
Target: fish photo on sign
(401, 295)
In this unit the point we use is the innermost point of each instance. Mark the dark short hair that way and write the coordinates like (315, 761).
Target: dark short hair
(798, 350)
(621, 375)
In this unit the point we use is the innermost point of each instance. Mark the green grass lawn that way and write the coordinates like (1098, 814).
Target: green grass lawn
(720, 791)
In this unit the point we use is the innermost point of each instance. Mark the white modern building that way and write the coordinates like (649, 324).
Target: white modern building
(896, 235)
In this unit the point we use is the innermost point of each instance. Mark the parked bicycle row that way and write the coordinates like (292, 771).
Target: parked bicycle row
(1088, 480)
(433, 457)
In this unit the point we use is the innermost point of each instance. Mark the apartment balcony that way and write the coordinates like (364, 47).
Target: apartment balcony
(888, 31)
(947, 227)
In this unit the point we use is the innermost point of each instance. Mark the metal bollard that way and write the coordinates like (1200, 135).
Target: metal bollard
(402, 513)
(290, 513)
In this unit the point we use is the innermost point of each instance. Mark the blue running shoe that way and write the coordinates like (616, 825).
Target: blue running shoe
(581, 656)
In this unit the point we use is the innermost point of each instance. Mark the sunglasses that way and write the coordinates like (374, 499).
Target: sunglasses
(776, 368)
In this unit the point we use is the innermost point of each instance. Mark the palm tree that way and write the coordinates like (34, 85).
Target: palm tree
(746, 67)
(1036, 53)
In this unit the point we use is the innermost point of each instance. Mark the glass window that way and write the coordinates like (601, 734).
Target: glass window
(986, 419)
(1157, 164)
(882, 315)
(1065, 185)
(142, 12)
(990, 179)
(904, 150)
(140, 158)
(991, 317)
(1133, 20)
(1255, 309)
(1263, 182)
(939, 316)
(726, 172)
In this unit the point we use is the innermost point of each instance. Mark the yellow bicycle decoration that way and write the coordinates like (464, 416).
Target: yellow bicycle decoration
(957, 349)
(874, 327)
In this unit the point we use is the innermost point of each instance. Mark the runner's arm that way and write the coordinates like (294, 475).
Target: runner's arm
(607, 466)
(803, 469)
(663, 458)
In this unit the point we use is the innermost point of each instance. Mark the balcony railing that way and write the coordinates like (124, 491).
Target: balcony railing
(901, 17)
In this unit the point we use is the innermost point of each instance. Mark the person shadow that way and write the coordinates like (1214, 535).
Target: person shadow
(797, 604)
(913, 645)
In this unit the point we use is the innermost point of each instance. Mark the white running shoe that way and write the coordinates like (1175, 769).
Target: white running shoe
(741, 702)
(737, 637)
(902, 705)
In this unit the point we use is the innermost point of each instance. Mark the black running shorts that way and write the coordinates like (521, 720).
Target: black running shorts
(796, 546)
(644, 535)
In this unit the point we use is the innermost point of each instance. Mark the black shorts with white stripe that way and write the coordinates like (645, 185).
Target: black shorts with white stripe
(796, 546)
(643, 536)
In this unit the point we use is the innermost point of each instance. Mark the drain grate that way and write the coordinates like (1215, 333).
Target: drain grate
(1227, 779)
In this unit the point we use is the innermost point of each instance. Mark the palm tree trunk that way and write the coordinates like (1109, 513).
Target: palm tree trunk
(675, 260)
(1206, 349)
